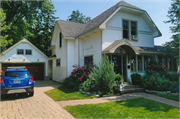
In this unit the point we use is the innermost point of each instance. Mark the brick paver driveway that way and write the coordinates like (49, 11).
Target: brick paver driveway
(40, 106)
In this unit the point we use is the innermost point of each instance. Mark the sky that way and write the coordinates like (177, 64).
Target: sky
(157, 10)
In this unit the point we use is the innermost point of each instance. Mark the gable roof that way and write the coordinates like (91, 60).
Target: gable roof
(24, 41)
(72, 29)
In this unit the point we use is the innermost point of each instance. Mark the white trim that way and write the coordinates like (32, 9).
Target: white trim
(25, 41)
(103, 25)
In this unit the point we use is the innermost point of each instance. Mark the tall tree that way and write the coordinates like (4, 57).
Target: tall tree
(3, 28)
(76, 16)
(33, 20)
(173, 14)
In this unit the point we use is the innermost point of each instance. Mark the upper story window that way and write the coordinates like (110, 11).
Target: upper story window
(130, 30)
(28, 52)
(20, 51)
(125, 29)
(60, 39)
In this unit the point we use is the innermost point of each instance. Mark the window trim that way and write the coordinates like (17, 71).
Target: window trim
(60, 40)
(59, 64)
(129, 29)
(28, 54)
(20, 49)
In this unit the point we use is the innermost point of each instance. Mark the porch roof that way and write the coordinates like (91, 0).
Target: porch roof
(137, 49)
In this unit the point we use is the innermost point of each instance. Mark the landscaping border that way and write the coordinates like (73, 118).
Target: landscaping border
(161, 92)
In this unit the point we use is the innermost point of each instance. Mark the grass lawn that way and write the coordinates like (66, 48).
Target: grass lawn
(172, 97)
(63, 93)
(130, 108)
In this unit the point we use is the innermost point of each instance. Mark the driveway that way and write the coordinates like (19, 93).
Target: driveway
(40, 106)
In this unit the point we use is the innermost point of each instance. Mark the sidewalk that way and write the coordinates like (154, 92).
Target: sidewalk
(118, 98)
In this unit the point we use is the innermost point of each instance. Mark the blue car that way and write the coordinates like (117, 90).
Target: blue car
(17, 80)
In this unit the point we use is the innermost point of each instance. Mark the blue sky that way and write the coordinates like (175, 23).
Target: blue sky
(157, 9)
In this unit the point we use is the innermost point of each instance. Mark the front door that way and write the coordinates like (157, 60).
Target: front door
(117, 64)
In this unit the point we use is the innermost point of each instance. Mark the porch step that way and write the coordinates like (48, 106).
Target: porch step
(129, 88)
(132, 90)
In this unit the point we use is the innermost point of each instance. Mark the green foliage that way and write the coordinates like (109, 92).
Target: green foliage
(103, 78)
(3, 28)
(173, 46)
(78, 75)
(154, 67)
(76, 16)
(136, 78)
(31, 20)
(158, 82)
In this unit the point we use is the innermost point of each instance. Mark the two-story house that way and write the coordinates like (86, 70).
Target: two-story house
(125, 33)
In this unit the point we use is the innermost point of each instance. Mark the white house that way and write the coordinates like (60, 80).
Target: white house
(26, 54)
(125, 33)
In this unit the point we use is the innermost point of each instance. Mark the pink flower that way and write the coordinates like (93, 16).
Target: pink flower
(151, 64)
(154, 71)
(164, 69)
(84, 73)
(160, 63)
(80, 79)
(75, 70)
(88, 72)
(148, 65)
(151, 69)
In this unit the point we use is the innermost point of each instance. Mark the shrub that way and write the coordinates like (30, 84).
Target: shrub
(104, 78)
(136, 79)
(78, 75)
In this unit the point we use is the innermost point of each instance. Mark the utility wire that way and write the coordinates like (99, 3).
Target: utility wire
(105, 6)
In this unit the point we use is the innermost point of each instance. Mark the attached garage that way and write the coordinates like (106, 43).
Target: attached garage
(26, 54)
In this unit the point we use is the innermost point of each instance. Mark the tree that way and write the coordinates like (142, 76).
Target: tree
(33, 20)
(3, 28)
(173, 46)
(76, 16)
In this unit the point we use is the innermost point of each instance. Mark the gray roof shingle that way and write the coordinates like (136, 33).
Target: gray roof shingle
(72, 29)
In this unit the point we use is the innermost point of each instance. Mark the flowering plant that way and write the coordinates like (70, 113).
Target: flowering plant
(79, 75)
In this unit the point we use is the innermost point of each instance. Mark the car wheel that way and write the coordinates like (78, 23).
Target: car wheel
(31, 94)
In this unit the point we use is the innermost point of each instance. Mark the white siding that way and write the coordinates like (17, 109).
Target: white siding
(59, 72)
(70, 55)
(90, 46)
(15, 58)
(113, 30)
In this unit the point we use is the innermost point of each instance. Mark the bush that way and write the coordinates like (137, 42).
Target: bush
(136, 79)
(78, 75)
(103, 78)
(156, 82)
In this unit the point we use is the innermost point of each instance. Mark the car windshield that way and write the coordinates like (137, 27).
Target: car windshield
(16, 74)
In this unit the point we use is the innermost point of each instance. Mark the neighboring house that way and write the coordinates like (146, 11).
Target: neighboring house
(26, 54)
(124, 33)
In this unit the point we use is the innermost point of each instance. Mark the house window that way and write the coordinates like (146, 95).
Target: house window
(169, 64)
(58, 62)
(125, 29)
(145, 63)
(139, 63)
(88, 59)
(20, 51)
(132, 35)
(165, 61)
(28, 52)
(133, 28)
(160, 60)
(174, 65)
(60, 39)
(133, 63)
